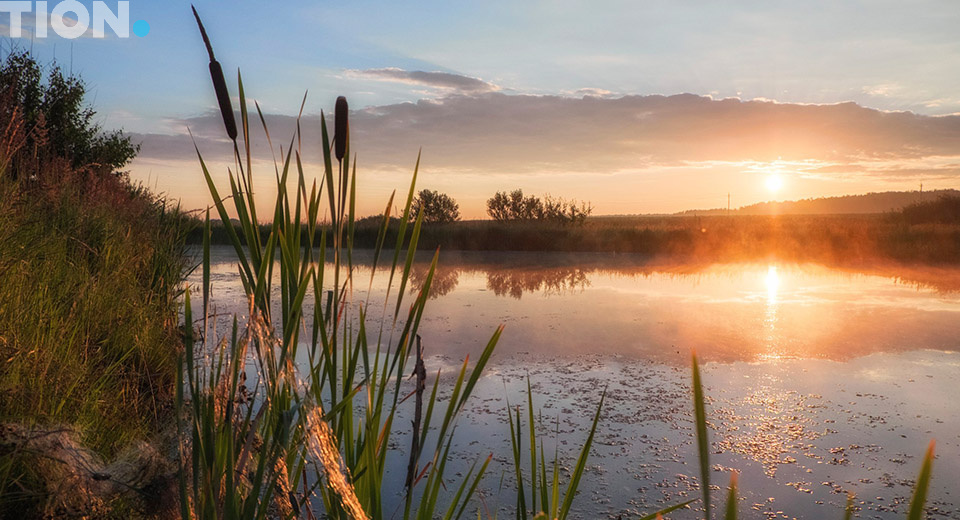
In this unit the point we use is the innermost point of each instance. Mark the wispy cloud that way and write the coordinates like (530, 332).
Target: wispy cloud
(439, 80)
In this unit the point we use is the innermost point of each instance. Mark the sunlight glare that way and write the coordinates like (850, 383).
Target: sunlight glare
(774, 182)
(772, 281)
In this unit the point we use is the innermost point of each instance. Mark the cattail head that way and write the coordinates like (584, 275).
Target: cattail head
(219, 83)
(341, 128)
(223, 99)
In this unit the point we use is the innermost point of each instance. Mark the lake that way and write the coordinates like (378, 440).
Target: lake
(821, 381)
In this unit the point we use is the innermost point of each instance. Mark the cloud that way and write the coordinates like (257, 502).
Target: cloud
(591, 92)
(883, 89)
(496, 133)
(440, 80)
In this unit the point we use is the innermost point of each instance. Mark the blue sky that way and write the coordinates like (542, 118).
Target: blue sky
(886, 56)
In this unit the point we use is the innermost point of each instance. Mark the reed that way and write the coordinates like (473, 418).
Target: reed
(317, 428)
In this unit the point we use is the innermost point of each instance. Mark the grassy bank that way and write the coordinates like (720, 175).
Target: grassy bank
(834, 239)
(90, 269)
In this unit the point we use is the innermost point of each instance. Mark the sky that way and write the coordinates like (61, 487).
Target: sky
(634, 106)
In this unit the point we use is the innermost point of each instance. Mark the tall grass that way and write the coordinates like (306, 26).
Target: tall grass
(319, 432)
(90, 271)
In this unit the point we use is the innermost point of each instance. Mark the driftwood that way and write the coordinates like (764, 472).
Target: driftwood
(78, 484)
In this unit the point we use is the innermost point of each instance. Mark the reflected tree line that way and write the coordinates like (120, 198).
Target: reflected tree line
(515, 280)
(505, 281)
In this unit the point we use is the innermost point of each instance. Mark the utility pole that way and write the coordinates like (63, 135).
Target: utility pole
(728, 203)
(921, 187)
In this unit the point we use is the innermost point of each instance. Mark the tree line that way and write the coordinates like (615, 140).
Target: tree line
(514, 206)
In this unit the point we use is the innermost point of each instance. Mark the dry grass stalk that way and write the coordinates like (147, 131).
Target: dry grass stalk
(323, 446)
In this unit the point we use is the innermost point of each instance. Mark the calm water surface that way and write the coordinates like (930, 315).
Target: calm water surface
(822, 381)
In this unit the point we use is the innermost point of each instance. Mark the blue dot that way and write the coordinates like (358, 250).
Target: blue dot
(141, 28)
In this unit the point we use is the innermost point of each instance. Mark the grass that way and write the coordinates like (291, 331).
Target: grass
(90, 269)
(90, 273)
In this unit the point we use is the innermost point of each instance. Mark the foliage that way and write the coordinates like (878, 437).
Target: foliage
(515, 206)
(437, 208)
(46, 118)
(544, 488)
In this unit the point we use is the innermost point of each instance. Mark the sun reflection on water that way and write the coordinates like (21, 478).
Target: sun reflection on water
(771, 340)
(772, 282)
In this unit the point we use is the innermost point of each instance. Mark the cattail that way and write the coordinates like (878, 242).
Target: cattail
(341, 128)
(219, 83)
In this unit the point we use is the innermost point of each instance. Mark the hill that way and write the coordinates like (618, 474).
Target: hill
(882, 202)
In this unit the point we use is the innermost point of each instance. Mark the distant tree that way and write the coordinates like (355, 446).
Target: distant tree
(515, 206)
(54, 120)
(498, 207)
(438, 208)
(562, 211)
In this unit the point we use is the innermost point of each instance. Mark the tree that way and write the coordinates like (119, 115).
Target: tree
(438, 208)
(54, 121)
(498, 207)
(514, 206)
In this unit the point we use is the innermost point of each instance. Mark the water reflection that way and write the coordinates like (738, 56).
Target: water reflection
(774, 425)
(772, 283)
(555, 281)
(771, 333)
(560, 304)
(445, 280)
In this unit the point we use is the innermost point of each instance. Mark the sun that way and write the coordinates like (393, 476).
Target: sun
(774, 182)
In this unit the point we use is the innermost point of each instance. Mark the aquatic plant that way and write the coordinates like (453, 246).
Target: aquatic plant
(320, 432)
